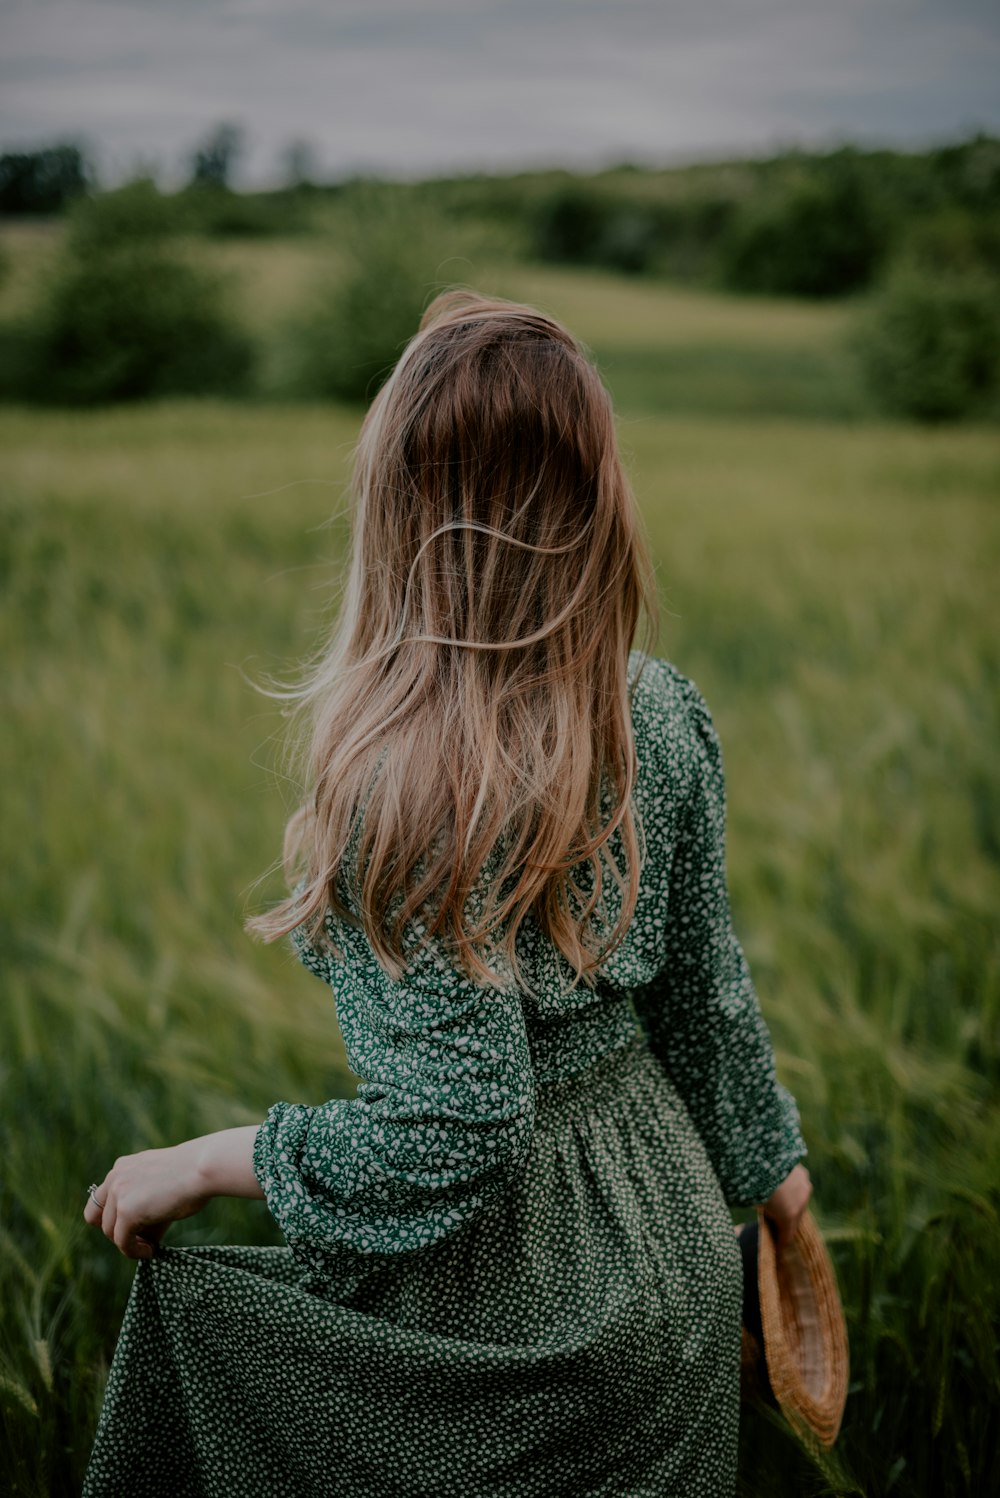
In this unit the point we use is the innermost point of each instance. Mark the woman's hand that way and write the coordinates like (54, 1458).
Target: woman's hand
(787, 1203)
(143, 1194)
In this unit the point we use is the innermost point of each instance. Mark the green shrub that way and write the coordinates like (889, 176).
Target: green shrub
(359, 320)
(575, 224)
(568, 225)
(929, 344)
(135, 323)
(692, 230)
(136, 212)
(126, 315)
(629, 240)
(822, 236)
(955, 240)
(225, 214)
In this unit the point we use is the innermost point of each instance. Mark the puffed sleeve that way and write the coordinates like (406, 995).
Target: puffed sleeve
(701, 1012)
(439, 1129)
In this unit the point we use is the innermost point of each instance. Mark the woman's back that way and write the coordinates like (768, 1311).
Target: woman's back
(433, 1034)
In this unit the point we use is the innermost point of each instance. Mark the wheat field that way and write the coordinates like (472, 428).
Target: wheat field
(830, 585)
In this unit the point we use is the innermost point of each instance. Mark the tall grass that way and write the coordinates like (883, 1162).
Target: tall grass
(831, 590)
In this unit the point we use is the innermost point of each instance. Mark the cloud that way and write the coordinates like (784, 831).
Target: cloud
(395, 86)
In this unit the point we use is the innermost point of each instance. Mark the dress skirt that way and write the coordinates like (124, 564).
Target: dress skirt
(580, 1337)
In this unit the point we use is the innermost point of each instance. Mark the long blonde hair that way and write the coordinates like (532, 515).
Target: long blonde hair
(471, 716)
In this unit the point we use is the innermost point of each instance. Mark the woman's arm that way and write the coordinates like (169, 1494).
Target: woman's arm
(788, 1202)
(701, 1012)
(441, 1125)
(143, 1194)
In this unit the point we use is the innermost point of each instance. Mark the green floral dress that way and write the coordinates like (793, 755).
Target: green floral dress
(511, 1269)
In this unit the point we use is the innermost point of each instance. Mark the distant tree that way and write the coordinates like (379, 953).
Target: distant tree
(214, 160)
(43, 181)
(300, 165)
(823, 235)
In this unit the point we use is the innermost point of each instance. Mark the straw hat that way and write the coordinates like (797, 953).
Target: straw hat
(794, 1351)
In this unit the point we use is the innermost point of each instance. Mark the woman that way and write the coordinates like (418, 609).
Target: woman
(511, 1269)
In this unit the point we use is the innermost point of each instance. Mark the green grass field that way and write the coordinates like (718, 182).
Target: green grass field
(831, 587)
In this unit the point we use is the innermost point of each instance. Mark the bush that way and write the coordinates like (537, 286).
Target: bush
(126, 315)
(136, 212)
(691, 231)
(576, 225)
(930, 344)
(359, 321)
(955, 241)
(225, 214)
(629, 241)
(133, 324)
(568, 225)
(824, 236)
(584, 224)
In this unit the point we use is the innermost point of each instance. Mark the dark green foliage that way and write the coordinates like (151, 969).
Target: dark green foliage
(126, 315)
(246, 215)
(357, 331)
(967, 174)
(797, 224)
(809, 225)
(629, 240)
(825, 235)
(42, 181)
(214, 208)
(690, 232)
(137, 212)
(578, 225)
(581, 224)
(568, 225)
(361, 318)
(956, 240)
(136, 323)
(929, 343)
(214, 160)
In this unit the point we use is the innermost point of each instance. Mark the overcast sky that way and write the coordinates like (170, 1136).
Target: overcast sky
(399, 86)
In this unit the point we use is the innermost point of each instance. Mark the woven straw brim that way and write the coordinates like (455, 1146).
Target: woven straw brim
(805, 1335)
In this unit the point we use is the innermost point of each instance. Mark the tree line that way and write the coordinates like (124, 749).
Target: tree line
(914, 237)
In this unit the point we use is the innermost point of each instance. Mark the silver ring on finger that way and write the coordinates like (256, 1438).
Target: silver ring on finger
(92, 1193)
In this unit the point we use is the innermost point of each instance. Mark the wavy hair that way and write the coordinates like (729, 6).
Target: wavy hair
(470, 758)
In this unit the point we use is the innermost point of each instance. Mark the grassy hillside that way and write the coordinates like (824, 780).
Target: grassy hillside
(831, 590)
(662, 348)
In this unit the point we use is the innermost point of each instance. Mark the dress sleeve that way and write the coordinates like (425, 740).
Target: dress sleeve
(701, 1013)
(439, 1129)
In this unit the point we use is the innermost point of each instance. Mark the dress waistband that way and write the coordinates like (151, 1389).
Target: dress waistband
(568, 1097)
